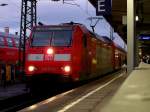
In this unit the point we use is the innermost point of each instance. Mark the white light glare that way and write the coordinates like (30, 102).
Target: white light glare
(50, 51)
(31, 68)
(137, 18)
(67, 68)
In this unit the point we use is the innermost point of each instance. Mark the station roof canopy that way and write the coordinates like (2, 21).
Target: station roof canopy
(119, 9)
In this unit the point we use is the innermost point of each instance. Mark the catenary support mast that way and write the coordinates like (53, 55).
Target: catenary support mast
(28, 20)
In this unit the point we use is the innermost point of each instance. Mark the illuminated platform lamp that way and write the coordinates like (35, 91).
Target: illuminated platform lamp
(144, 37)
(136, 18)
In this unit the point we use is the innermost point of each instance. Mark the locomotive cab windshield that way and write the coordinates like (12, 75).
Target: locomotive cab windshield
(57, 37)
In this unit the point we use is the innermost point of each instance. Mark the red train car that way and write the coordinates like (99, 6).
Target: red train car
(70, 51)
(8, 54)
(8, 48)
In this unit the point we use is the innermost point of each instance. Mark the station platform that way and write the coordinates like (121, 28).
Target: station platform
(134, 94)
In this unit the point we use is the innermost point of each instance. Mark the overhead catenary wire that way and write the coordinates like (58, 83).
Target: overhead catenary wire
(18, 7)
(73, 3)
(69, 2)
(86, 9)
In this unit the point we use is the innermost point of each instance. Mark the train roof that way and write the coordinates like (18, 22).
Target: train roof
(83, 27)
(70, 24)
(3, 34)
(106, 39)
(102, 38)
(119, 47)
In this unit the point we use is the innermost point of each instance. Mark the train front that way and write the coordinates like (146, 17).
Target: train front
(49, 52)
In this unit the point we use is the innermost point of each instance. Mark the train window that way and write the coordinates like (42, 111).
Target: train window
(84, 41)
(62, 38)
(41, 38)
(1, 41)
(17, 42)
(9, 42)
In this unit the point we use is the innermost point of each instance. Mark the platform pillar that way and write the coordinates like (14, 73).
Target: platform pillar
(130, 35)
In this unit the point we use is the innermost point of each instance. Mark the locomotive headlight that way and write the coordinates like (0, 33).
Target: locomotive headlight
(50, 51)
(67, 68)
(31, 68)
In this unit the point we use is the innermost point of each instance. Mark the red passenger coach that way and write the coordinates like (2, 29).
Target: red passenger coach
(70, 51)
(8, 54)
(9, 48)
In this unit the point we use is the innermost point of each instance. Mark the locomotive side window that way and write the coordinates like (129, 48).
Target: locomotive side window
(9, 42)
(41, 38)
(84, 41)
(1, 41)
(61, 38)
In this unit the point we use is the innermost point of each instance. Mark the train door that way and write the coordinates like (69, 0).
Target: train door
(85, 63)
(93, 55)
(116, 59)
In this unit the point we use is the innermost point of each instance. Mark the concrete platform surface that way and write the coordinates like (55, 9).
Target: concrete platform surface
(134, 94)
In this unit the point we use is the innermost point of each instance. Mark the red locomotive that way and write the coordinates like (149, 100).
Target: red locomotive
(70, 51)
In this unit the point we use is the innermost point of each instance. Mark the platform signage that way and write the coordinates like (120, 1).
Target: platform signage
(103, 7)
(144, 37)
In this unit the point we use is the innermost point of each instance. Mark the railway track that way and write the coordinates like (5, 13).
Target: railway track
(15, 103)
(25, 100)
